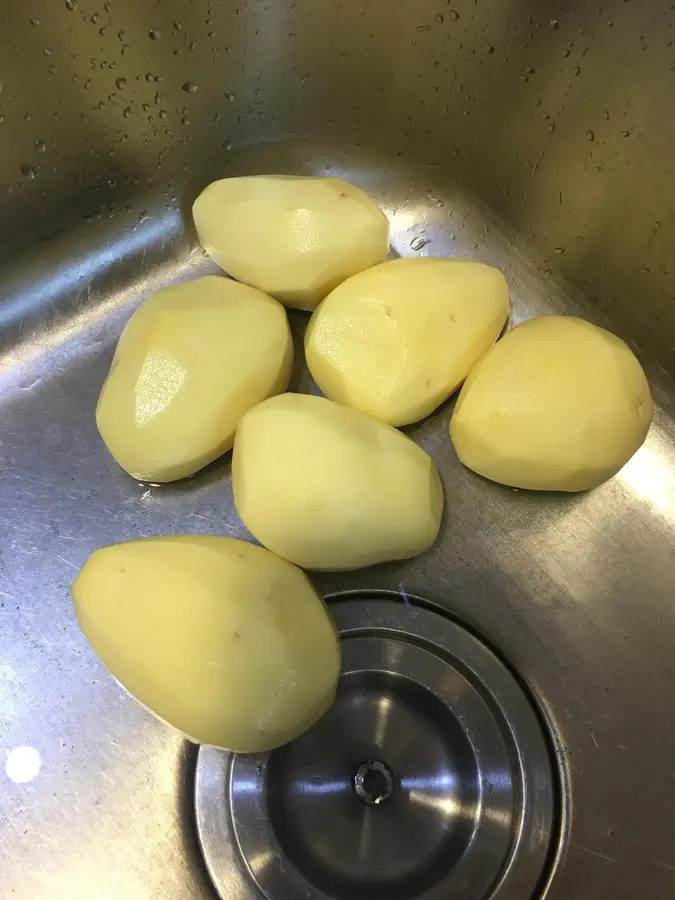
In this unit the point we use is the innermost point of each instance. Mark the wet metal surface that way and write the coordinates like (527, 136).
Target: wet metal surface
(431, 107)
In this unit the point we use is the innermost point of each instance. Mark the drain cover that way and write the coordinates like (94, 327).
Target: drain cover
(430, 777)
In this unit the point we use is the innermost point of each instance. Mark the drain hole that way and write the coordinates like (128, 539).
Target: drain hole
(373, 782)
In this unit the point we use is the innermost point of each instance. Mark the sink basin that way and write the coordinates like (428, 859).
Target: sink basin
(534, 137)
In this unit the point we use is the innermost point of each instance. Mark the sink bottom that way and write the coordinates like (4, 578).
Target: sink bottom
(431, 776)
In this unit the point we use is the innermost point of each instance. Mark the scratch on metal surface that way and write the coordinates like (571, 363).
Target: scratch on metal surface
(659, 862)
(67, 561)
(594, 853)
(593, 738)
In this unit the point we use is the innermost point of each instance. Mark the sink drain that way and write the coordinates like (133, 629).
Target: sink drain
(430, 777)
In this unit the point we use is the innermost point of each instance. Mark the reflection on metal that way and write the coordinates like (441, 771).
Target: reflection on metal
(22, 764)
(651, 475)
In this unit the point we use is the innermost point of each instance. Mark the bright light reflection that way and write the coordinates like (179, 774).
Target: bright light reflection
(302, 228)
(23, 764)
(444, 782)
(321, 787)
(446, 805)
(650, 477)
(160, 379)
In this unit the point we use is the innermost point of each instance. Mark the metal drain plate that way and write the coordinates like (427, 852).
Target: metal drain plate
(430, 777)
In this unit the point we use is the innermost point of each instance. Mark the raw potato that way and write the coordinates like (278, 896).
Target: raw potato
(217, 637)
(397, 340)
(330, 488)
(558, 405)
(191, 361)
(295, 237)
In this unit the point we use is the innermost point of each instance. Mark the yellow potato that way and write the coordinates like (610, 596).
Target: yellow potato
(328, 487)
(219, 638)
(295, 237)
(397, 340)
(191, 361)
(558, 405)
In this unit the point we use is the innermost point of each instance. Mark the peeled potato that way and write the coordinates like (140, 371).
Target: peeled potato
(191, 361)
(329, 488)
(219, 638)
(397, 340)
(295, 237)
(557, 405)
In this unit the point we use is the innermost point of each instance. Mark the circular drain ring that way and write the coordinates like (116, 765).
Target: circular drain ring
(479, 822)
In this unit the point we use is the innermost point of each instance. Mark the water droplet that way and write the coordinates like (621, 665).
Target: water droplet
(28, 171)
(554, 23)
(625, 134)
(155, 34)
(95, 19)
(304, 78)
(162, 114)
(606, 114)
(566, 52)
(87, 84)
(178, 26)
(190, 87)
(41, 146)
(126, 112)
(453, 13)
(551, 127)
(576, 70)
(229, 96)
(158, 99)
(185, 121)
(489, 48)
(71, 5)
(227, 145)
(559, 250)
(590, 136)
(52, 70)
(423, 27)
(34, 21)
(419, 242)
(2, 118)
(120, 83)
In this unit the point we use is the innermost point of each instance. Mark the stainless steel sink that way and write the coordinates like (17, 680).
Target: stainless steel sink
(534, 136)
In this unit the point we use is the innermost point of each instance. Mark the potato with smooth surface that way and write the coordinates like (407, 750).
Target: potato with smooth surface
(294, 237)
(219, 638)
(397, 340)
(190, 362)
(330, 488)
(558, 405)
